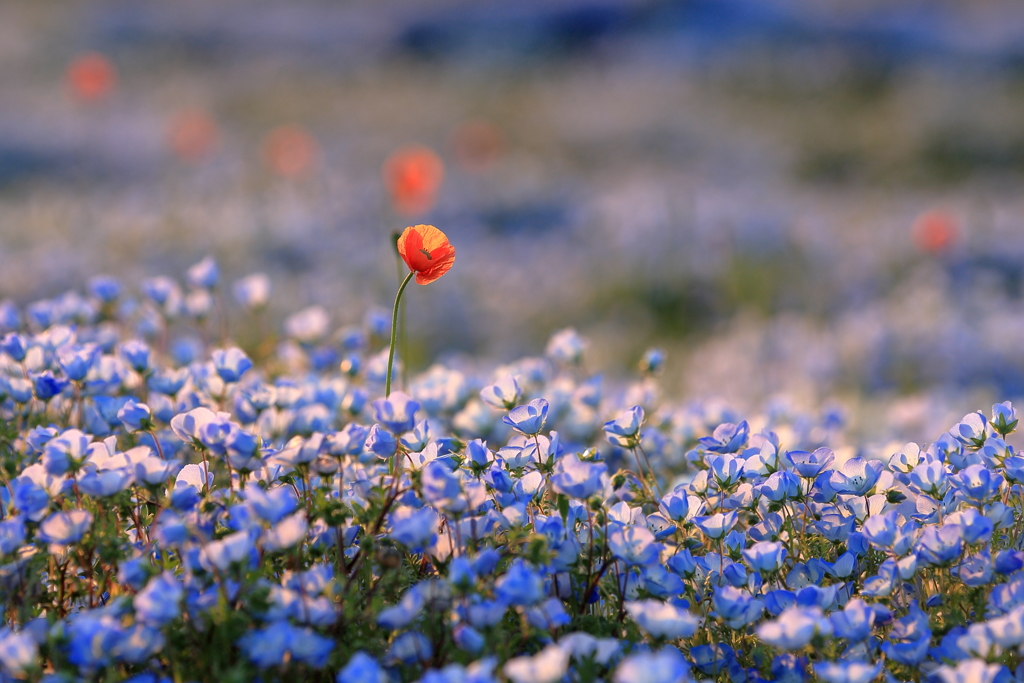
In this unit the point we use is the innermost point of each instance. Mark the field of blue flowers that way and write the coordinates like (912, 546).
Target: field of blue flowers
(176, 508)
(754, 258)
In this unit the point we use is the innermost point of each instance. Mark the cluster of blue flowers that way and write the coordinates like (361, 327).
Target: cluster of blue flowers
(176, 508)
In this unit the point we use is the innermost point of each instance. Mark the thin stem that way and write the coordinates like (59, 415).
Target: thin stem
(394, 330)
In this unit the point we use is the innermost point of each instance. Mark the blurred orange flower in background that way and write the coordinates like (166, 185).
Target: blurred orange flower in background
(478, 144)
(413, 176)
(91, 76)
(192, 135)
(934, 231)
(426, 251)
(290, 150)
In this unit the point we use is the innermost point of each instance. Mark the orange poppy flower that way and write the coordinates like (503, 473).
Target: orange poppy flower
(91, 76)
(413, 175)
(426, 251)
(934, 231)
(192, 135)
(290, 151)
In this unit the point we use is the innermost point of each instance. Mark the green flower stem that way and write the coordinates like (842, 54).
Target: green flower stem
(394, 331)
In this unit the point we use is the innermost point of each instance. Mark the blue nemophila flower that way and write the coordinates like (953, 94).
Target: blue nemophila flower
(136, 417)
(404, 613)
(204, 274)
(76, 361)
(667, 665)
(975, 570)
(854, 622)
(12, 534)
(907, 459)
(973, 671)
(159, 603)
(736, 607)
(760, 462)
(726, 469)
(441, 487)
(660, 582)
(624, 431)
(781, 486)
(380, 442)
(794, 628)
(548, 615)
(1004, 418)
(566, 346)
(92, 637)
(577, 478)
(15, 346)
(397, 412)
(103, 483)
(765, 556)
(634, 545)
(409, 648)
(252, 291)
(271, 505)
(931, 478)
(287, 533)
(233, 549)
(810, 465)
(1008, 561)
(63, 529)
(847, 671)
(971, 431)
(275, 644)
(45, 386)
(909, 638)
(65, 452)
(504, 394)
(675, 505)
(727, 438)
(520, 585)
(19, 653)
(528, 419)
(977, 484)
(652, 361)
(856, 476)
(231, 363)
(712, 659)
(362, 668)
(478, 453)
(662, 619)
(717, 525)
(547, 666)
(413, 528)
(18, 388)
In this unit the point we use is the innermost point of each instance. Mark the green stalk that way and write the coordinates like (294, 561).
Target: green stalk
(394, 331)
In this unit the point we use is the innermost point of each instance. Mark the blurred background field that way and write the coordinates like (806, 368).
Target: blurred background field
(803, 202)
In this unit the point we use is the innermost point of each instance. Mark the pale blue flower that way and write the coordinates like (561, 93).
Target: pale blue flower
(397, 412)
(794, 628)
(159, 602)
(504, 394)
(578, 478)
(624, 431)
(362, 668)
(62, 529)
(231, 363)
(547, 666)
(634, 545)
(765, 556)
(520, 585)
(528, 419)
(662, 619)
(664, 666)
(847, 672)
